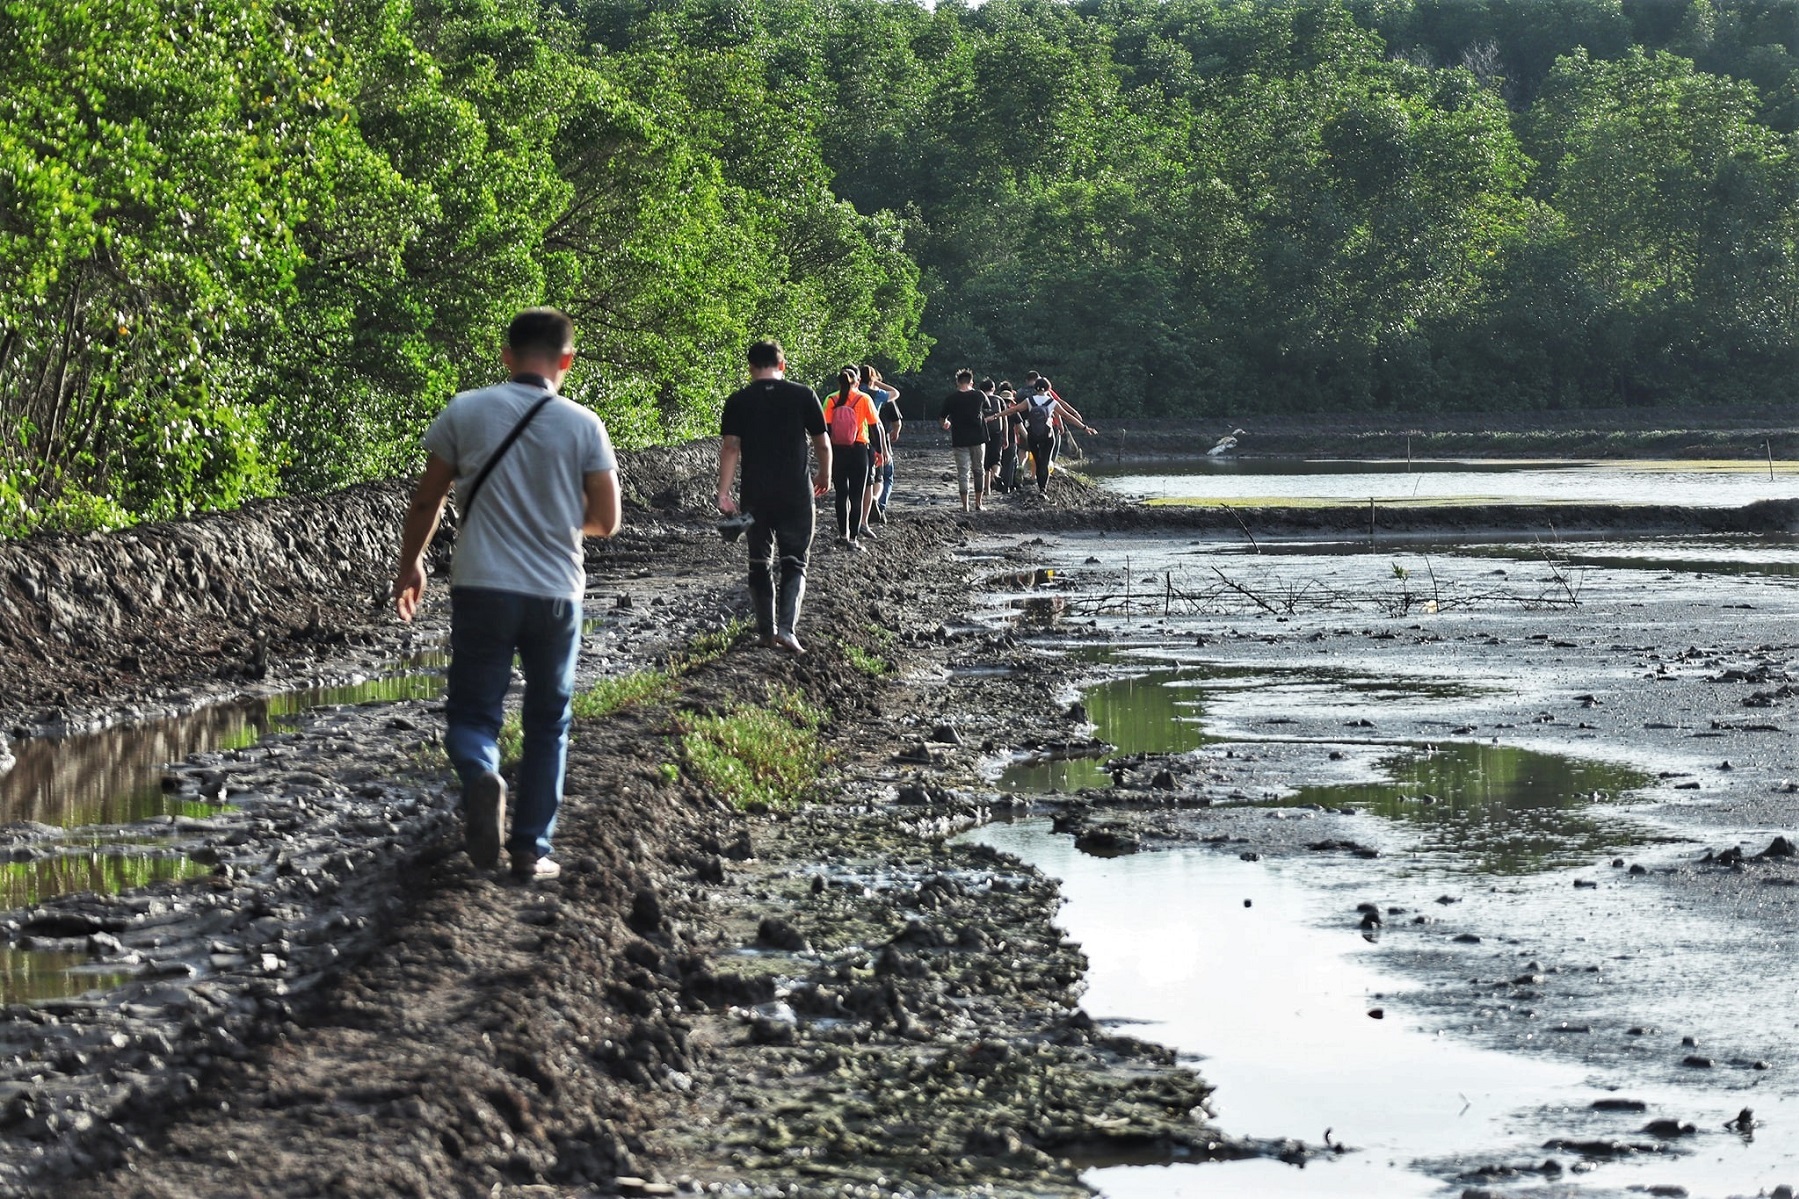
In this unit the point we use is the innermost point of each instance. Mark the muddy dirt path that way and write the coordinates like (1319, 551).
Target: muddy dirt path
(831, 996)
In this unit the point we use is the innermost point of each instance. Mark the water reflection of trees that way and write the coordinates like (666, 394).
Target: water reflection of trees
(1496, 809)
(115, 776)
(23, 884)
(27, 976)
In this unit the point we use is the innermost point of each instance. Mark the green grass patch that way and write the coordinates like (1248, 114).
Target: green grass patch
(512, 741)
(872, 665)
(709, 647)
(757, 757)
(621, 691)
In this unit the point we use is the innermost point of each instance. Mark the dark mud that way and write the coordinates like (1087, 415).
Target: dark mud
(808, 1002)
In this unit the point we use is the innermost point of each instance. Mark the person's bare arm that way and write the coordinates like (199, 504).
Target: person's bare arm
(421, 523)
(730, 449)
(602, 516)
(821, 453)
(1078, 418)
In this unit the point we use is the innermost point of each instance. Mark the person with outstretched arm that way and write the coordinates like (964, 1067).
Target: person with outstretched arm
(769, 426)
(534, 473)
(1041, 410)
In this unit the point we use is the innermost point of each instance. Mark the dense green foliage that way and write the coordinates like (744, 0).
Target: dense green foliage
(252, 247)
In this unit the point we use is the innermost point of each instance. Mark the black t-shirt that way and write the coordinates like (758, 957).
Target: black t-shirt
(992, 425)
(773, 418)
(962, 409)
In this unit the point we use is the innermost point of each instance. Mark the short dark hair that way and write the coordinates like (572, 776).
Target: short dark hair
(1005, 385)
(1042, 383)
(544, 331)
(766, 354)
(987, 383)
(965, 376)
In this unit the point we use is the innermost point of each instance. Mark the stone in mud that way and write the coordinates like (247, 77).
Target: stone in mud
(1780, 847)
(919, 935)
(1163, 780)
(647, 917)
(1697, 1062)
(775, 933)
(1107, 841)
(1467, 939)
(68, 924)
(1077, 712)
(1619, 1105)
(946, 734)
(1669, 1129)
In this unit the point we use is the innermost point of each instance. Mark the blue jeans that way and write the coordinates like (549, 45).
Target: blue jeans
(486, 629)
(886, 483)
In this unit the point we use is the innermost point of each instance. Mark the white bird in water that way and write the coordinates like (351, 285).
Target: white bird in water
(1226, 444)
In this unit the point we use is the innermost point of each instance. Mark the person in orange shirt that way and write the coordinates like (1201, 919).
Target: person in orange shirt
(847, 417)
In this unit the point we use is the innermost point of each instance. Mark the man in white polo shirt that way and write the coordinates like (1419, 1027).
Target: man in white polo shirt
(534, 473)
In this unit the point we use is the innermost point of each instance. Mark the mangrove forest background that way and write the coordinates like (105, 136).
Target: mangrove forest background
(251, 247)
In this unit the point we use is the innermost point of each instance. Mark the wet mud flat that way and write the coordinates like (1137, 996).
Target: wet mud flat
(1563, 833)
(843, 999)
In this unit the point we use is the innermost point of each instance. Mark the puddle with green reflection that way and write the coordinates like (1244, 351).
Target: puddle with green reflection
(25, 884)
(1141, 714)
(1161, 711)
(30, 976)
(1486, 808)
(1496, 809)
(115, 776)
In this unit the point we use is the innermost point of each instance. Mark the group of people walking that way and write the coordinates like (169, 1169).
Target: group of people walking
(546, 476)
(995, 429)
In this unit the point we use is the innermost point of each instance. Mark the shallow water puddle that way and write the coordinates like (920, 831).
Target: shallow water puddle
(25, 884)
(1485, 808)
(1496, 809)
(1277, 1011)
(1160, 710)
(1708, 484)
(114, 776)
(28, 976)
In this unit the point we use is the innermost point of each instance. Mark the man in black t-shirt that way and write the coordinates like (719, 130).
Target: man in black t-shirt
(767, 427)
(963, 417)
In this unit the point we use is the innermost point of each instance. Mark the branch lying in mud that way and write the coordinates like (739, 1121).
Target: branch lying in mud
(1282, 597)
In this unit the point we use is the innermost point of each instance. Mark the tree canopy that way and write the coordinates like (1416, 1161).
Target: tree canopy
(251, 248)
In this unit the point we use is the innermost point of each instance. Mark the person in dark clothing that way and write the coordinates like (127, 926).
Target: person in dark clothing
(967, 426)
(1042, 410)
(995, 427)
(767, 427)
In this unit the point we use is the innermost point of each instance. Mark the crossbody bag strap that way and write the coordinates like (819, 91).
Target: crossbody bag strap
(468, 502)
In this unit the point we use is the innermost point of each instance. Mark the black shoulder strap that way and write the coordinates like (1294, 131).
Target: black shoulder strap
(468, 501)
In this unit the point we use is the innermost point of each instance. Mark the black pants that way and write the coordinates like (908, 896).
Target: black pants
(849, 474)
(790, 532)
(1043, 449)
